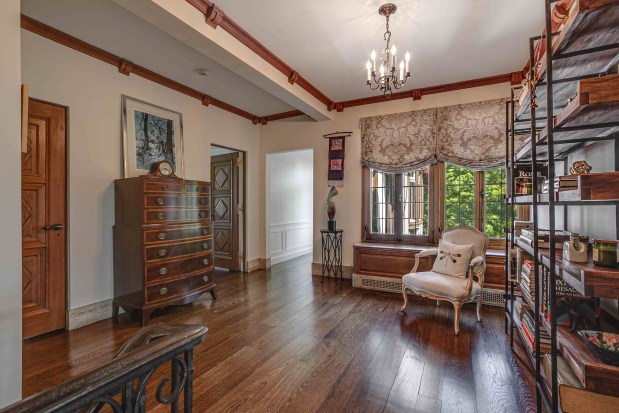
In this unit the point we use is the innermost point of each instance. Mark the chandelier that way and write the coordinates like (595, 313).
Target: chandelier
(387, 79)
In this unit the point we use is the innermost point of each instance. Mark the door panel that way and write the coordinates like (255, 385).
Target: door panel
(44, 205)
(224, 199)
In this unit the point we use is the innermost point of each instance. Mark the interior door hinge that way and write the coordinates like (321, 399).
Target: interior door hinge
(239, 162)
(239, 209)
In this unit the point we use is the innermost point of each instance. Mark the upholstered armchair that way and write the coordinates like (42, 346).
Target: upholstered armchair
(466, 287)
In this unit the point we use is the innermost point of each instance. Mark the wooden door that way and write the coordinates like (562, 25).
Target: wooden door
(44, 220)
(224, 210)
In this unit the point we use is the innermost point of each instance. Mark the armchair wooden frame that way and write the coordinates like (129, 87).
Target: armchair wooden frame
(475, 272)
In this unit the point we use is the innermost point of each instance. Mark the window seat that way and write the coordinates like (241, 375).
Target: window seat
(393, 260)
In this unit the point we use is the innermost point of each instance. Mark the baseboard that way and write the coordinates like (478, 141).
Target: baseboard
(346, 270)
(290, 255)
(394, 285)
(88, 314)
(257, 264)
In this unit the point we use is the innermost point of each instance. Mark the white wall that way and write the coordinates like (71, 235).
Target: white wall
(291, 135)
(92, 90)
(10, 206)
(289, 207)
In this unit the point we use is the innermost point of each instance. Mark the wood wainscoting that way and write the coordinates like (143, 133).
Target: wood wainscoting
(383, 264)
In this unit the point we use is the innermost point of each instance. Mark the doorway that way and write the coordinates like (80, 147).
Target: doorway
(289, 204)
(44, 220)
(228, 194)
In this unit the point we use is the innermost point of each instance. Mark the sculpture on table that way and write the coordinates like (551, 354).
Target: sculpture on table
(331, 208)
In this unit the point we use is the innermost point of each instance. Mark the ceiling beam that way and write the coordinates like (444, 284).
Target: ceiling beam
(206, 28)
(226, 23)
(125, 66)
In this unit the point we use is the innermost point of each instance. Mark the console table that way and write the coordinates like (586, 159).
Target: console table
(331, 253)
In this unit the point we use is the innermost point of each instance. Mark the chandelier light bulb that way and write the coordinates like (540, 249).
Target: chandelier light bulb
(407, 57)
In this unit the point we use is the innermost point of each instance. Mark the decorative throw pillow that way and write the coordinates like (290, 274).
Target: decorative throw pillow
(452, 259)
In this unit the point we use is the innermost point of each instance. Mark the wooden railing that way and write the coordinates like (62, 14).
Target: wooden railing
(120, 384)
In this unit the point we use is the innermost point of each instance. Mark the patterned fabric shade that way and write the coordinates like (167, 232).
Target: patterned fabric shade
(399, 142)
(471, 135)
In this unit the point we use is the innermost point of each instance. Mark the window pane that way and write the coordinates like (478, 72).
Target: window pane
(382, 202)
(459, 196)
(415, 202)
(494, 203)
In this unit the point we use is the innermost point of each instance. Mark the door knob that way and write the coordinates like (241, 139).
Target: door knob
(55, 227)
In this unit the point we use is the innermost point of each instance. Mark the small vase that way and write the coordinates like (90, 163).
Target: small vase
(331, 225)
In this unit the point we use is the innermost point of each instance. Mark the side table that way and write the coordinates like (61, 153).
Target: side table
(331, 253)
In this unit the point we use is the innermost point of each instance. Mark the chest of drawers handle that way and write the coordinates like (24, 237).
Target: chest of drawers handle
(160, 216)
(202, 214)
(205, 278)
(163, 291)
(205, 245)
(164, 187)
(162, 236)
(205, 261)
(202, 202)
(204, 231)
(159, 201)
(162, 252)
(163, 271)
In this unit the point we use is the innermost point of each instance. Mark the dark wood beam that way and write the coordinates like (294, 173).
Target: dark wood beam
(125, 66)
(206, 7)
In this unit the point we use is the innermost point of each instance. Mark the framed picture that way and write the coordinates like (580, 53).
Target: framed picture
(337, 144)
(150, 134)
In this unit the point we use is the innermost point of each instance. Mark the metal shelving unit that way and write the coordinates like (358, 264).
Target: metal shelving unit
(582, 54)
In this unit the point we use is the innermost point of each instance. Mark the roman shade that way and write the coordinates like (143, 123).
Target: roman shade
(471, 135)
(399, 142)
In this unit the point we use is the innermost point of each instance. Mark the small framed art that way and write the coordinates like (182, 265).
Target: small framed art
(151, 134)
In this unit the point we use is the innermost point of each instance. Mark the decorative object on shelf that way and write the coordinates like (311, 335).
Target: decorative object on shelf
(151, 134)
(523, 178)
(387, 80)
(331, 208)
(337, 150)
(604, 345)
(574, 250)
(606, 253)
(580, 168)
(331, 253)
(163, 168)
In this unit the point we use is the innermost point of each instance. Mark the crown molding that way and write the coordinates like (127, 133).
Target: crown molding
(125, 66)
(226, 23)
(514, 78)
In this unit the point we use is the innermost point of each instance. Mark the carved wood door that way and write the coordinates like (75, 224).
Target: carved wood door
(224, 213)
(44, 220)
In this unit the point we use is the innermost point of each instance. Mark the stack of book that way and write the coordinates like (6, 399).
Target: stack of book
(527, 279)
(528, 329)
(543, 237)
(562, 183)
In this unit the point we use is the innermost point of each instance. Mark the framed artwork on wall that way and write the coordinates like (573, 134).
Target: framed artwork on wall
(150, 134)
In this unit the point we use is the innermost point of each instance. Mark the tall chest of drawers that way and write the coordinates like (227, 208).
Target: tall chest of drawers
(163, 244)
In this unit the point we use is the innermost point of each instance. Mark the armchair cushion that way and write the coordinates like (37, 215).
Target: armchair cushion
(452, 259)
(440, 285)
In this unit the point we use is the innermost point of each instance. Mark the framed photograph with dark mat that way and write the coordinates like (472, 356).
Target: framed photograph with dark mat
(151, 134)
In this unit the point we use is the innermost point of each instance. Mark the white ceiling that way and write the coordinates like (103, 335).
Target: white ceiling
(329, 41)
(106, 25)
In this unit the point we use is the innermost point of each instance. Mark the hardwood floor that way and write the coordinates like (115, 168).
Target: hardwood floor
(279, 341)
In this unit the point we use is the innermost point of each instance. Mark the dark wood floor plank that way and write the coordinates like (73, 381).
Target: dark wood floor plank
(280, 341)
